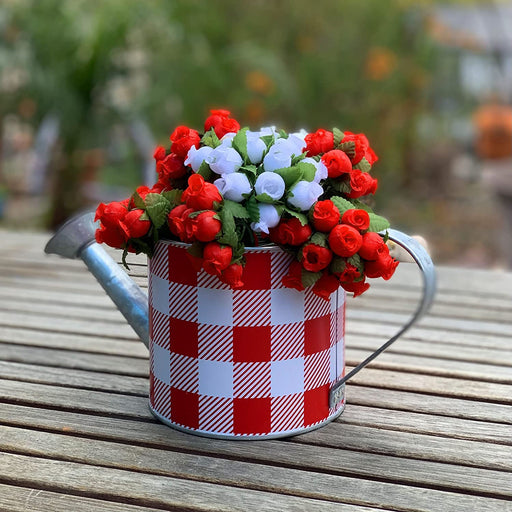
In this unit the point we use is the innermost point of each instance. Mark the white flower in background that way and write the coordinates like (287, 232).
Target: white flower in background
(233, 185)
(227, 140)
(196, 157)
(268, 130)
(321, 169)
(279, 156)
(255, 147)
(296, 141)
(224, 160)
(271, 184)
(269, 218)
(304, 194)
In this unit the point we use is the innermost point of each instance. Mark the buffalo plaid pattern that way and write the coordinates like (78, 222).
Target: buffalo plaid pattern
(256, 361)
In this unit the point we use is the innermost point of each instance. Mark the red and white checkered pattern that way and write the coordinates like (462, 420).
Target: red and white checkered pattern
(257, 361)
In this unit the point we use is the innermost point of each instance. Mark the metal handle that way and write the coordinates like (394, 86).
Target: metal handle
(422, 259)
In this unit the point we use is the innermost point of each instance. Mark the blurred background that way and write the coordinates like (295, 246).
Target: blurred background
(89, 87)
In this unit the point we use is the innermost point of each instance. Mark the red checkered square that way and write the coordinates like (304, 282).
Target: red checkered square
(159, 328)
(181, 268)
(184, 337)
(251, 380)
(287, 341)
(317, 334)
(316, 405)
(251, 343)
(287, 412)
(185, 408)
(215, 342)
(251, 307)
(184, 373)
(257, 271)
(317, 369)
(216, 414)
(251, 415)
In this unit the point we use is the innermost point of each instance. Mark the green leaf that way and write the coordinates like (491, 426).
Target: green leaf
(196, 249)
(268, 140)
(157, 207)
(138, 201)
(338, 265)
(291, 175)
(309, 278)
(265, 198)
(238, 253)
(282, 134)
(205, 171)
(363, 165)
(229, 235)
(340, 185)
(251, 169)
(377, 223)
(240, 143)
(308, 170)
(338, 136)
(319, 239)
(349, 148)
(252, 209)
(342, 204)
(301, 216)
(144, 216)
(356, 261)
(236, 209)
(358, 204)
(173, 196)
(210, 139)
(298, 158)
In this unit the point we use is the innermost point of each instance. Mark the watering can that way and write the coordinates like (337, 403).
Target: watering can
(262, 362)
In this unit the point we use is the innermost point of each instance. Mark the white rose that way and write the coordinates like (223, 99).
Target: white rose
(321, 169)
(304, 194)
(271, 184)
(297, 142)
(255, 147)
(233, 185)
(224, 160)
(279, 155)
(268, 130)
(195, 157)
(227, 140)
(269, 218)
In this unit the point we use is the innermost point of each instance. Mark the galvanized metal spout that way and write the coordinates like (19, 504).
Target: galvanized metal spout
(75, 239)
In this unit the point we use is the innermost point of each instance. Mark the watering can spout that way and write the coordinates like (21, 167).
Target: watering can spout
(75, 239)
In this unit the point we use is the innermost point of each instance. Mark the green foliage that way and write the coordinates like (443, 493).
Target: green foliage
(377, 223)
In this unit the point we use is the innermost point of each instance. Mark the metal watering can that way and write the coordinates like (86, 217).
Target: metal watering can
(264, 363)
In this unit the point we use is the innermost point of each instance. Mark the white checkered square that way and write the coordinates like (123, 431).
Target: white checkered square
(215, 414)
(161, 363)
(215, 342)
(251, 308)
(287, 376)
(159, 294)
(251, 380)
(215, 306)
(184, 373)
(183, 302)
(287, 306)
(287, 341)
(216, 378)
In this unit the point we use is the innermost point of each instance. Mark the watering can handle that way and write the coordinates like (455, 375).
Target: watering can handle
(422, 259)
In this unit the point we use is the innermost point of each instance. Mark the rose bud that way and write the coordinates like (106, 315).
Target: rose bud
(326, 285)
(224, 160)
(200, 195)
(159, 153)
(325, 215)
(293, 279)
(216, 258)
(321, 171)
(319, 142)
(269, 218)
(136, 227)
(350, 273)
(315, 257)
(114, 236)
(337, 163)
(279, 156)
(271, 184)
(183, 138)
(221, 123)
(207, 226)
(361, 184)
(233, 186)
(256, 148)
(177, 220)
(111, 214)
(195, 157)
(356, 287)
(384, 267)
(233, 275)
(345, 240)
(290, 232)
(361, 145)
(304, 194)
(358, 219)
(171, 167)
(372, 247)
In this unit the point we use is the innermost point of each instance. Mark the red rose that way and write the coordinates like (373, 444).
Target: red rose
(356, 287)
(345, 240)
(216, 258)
(325, 215)
(361, 145)
(337, 163)
(159, 153)
(160, 187)
(315, 257)
(183, 138)
(361, 184)
(371, 156)
(384, 266)
(142, 191)
(233, 275)
(373, 246)
(207, 226)
(200, 195)
(326, 285)
(171, 167)
(319, 142)
(349, 274)
(136, 226)
(290, 232)
(178, 222)
(221, 123)
(293, 279)
(358, 219)
(114, 236)
(111, 214)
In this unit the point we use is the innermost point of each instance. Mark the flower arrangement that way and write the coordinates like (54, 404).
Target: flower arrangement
(231, 188)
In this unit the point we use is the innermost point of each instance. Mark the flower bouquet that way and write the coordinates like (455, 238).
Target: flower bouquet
(230, 188)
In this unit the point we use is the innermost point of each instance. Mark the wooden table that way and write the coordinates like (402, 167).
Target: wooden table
(427, 428)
